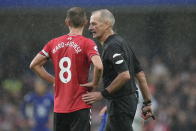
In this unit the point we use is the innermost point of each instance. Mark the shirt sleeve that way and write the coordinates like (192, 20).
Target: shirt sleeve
(46, 50)
(91, 49)
(116, 57)
(137, 66)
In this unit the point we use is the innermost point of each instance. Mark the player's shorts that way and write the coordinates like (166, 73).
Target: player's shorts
(74, 121)
(122, 121)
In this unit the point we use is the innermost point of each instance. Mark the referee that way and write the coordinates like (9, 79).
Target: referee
(120, 68)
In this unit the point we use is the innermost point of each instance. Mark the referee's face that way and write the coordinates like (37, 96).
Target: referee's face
(97, 26)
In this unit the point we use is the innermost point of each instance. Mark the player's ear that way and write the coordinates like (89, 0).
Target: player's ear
(86, 22)
(67, 22)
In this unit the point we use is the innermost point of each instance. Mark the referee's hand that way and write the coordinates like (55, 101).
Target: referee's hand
(147, 112)
(92, 97)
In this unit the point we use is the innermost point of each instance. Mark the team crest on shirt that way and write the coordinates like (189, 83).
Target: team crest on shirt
(95, 48)
(69, 38)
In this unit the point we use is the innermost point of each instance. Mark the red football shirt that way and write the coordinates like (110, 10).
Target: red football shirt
(71, 56)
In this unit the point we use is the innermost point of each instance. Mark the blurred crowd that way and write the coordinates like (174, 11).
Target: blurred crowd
(172, 84)
(172, 87)
(175, 94)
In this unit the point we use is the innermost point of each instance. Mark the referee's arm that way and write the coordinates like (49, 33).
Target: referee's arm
(143, 86)
(146, 108)
(118, 82)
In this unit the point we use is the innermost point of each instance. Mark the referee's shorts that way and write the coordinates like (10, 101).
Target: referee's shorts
(122, 121)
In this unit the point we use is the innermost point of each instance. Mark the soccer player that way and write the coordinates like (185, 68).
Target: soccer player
(41, 102)
(121, 67)
(71, 55)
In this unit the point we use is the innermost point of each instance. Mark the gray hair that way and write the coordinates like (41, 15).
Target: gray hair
(106, 15)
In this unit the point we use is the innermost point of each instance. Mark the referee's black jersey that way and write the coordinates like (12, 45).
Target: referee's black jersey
(118, 57)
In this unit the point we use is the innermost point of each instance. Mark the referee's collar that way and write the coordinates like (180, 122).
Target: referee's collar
(109, 38)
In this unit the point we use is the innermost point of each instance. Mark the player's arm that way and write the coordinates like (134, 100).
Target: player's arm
(37, 66)
(24, 106)
(97, 73)
(98, 69)
(27, 100)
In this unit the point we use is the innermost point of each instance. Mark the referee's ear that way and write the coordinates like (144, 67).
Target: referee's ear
(108, 25)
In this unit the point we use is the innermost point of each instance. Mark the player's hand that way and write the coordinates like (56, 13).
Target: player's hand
(92, 97)
(89, 85)
(147, 112)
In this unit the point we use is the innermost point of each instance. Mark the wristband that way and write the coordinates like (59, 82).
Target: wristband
(105, 94)
(147, 103)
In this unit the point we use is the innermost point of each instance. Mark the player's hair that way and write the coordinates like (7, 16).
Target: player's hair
(77, 16)
(106, 15)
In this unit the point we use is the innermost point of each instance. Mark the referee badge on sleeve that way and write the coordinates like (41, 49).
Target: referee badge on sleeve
(118, 59)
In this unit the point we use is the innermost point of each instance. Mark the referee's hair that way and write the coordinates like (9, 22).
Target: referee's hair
(77, 17)
(106, 15)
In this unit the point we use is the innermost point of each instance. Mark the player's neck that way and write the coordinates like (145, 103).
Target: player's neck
(105, 36)
(75, 31)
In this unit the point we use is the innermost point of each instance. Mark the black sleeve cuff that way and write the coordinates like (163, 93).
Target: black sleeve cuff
(147, 103)
(105, 94)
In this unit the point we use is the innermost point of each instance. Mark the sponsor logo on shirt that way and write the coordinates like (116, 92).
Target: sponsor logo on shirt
(69, 38)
